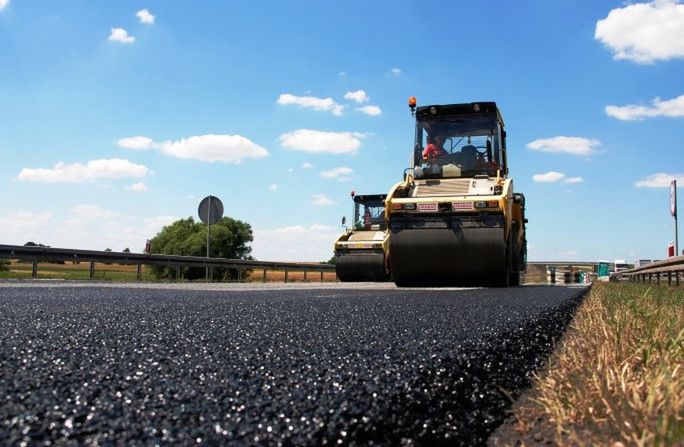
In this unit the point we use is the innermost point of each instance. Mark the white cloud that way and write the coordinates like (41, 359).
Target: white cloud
(138, 142)
(342, 74)
(317, 141)
(307, 165)
(396, 71)
(321, 200)
(312, 102)
(211, 148)
(359, 96)
(273, 187)
(659, 180)
(548, 177)
(3, 3)
(573, 180)
(370, 110)
(89, 229)
(144, 16)
(340, 173)
(121, 35)
(136, 187)
(669, 108)
(644, 32)
(311, 243)
(90, 211)
(105, 169)
(567, 145)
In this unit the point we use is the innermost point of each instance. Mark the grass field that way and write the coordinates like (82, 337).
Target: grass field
(617, 378)
(117, 272)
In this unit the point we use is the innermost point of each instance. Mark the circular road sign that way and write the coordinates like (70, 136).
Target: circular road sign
(673, 197)
(210, 210)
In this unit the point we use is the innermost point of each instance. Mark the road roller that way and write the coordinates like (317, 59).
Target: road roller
(455, 218)
(360, 250)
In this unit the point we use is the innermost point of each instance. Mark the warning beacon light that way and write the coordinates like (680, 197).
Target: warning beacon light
(412, 105)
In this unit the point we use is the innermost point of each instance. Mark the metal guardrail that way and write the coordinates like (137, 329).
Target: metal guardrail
(673, 266)
(38, 254)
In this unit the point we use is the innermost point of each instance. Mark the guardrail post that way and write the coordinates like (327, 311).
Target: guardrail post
(178, 272)
(285, 275)
(669, 278)
(239, 272)
(322, 275)
(677, 278)
(658, 278)
(138, 272)
(34, 269)
(91, 273)
(263, 278)
(304, 275)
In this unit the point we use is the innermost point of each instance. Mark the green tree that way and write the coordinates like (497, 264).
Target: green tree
(230, 239)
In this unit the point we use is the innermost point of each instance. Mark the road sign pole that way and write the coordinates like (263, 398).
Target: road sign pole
(673, 209)
(208, 232)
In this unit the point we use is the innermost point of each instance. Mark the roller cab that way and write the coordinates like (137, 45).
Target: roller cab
(455, 219)
(360, 250)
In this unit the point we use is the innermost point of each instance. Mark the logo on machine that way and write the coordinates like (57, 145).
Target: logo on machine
(462, 205)
(427, 207)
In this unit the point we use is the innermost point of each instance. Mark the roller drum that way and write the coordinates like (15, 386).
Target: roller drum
(364, 266)
(449, 253)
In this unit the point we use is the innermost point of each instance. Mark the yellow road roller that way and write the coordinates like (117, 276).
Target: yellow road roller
(360, 250)
(455, 219)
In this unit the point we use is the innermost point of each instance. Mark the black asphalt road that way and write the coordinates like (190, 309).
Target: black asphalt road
(101, 365)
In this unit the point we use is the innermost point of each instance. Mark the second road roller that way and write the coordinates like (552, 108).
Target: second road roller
(455, 219)
(360, 251)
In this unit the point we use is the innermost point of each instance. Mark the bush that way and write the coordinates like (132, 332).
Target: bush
(185, 237)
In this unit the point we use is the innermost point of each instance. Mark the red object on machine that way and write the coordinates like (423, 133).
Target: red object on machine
(670, 249)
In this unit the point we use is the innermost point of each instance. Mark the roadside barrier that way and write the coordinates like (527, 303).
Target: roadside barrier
(671, 268)
(45, 254)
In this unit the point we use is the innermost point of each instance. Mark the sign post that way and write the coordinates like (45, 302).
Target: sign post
(673, 211)
(210, 211)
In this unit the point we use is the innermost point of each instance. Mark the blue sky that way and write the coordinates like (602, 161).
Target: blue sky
(119, 117)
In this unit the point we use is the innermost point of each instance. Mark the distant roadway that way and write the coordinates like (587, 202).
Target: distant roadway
(289, 364)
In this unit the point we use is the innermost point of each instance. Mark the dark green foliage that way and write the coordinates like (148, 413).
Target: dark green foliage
(4, 264)
(230, 239)
(126, 250)
(33, 244)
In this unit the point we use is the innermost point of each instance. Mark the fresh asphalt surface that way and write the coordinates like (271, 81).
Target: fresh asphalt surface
(336, 364)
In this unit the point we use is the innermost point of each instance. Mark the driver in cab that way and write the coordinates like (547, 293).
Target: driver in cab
(435, 149)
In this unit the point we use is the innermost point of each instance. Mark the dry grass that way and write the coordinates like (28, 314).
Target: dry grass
(618, 376)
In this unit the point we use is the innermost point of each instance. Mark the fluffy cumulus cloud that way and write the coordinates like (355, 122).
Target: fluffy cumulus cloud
(321, 200)
(295, 243)
(312, 102)
(144, 16)
(104, 169)
(3, 3)
(644, 32)
(121, 35)
(370, 110)
(566, 145)
(211, 148)
(359, 96)
(342, 173)
(317, 141)
(136, 187)
(659, 180)
(548, 177)
(85, 226)
(670, 108)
